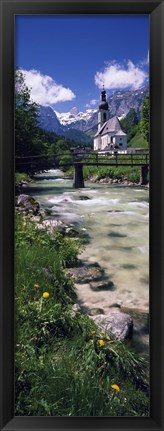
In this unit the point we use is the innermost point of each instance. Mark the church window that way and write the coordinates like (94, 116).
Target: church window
(111, 138)
(104, 116)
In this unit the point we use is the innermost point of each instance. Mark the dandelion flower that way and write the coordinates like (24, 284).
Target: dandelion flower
(46, 295)
(108, 338)
(36, 285)
(102, 333)
(101, 342)
(116, 387)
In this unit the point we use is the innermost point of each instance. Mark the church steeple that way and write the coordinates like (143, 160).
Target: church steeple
(103, 112)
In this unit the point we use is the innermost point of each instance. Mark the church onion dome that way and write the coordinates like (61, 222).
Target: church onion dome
(103, 104)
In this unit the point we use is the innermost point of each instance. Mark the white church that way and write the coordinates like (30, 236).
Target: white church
(110, 135)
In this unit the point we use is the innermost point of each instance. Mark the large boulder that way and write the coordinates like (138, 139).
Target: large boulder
(27, 203)
(115, 324)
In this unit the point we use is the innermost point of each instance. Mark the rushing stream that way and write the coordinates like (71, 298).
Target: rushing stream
(116, 219)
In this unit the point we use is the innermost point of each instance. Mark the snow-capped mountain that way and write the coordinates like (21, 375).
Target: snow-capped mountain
(70, 123)
(48, 120)
(120, 103)
(74, 116)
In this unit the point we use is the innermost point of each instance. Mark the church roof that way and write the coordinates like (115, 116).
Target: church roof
(113, 126)
(120, 133)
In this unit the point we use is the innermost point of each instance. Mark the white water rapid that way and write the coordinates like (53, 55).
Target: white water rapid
(116, 218)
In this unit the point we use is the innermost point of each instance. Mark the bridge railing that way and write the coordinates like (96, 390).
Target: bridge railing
(89, 158)
(117, 159)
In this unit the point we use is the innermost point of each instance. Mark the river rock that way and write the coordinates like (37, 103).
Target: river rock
(83, 198)
(94, 178)
(115, 305)
(27, 203)
(118, 325)
(114, 211)
(85, 273)
(95, 311)
(71, 231)
(47, 211)
(104, 285)
(103, 180)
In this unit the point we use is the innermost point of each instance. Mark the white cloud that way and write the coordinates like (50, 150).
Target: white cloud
(145, 62)
(93, 102)
(117, 76)
(44, 90)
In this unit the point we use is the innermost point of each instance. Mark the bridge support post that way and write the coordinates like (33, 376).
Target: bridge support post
(144, 174)
(78, 181)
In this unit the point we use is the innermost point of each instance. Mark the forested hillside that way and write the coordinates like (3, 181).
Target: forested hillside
(36, 145)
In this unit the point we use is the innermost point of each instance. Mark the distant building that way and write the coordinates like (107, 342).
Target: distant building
(110, 135)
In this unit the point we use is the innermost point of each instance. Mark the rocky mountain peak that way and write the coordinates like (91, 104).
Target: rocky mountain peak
(120, 102)
(74, 111)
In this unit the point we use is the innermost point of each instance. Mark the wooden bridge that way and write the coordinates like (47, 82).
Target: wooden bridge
(78, 159)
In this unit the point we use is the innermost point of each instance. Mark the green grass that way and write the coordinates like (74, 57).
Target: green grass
(62, 368)
(20, 177)
(138, 141)
(131, 173)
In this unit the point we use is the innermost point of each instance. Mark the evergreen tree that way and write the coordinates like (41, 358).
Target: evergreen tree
(25, 118)
(144, 123)
(130, 121)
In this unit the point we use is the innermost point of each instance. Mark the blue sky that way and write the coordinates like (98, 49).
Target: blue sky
(67, 58)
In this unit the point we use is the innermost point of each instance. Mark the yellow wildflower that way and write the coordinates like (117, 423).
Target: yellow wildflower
(36, 285)
(102, 333)
(108, 338)
(101, 342)
(116, 387)
(46, 295)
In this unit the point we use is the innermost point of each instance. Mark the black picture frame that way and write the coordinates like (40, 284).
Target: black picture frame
(155, 9)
